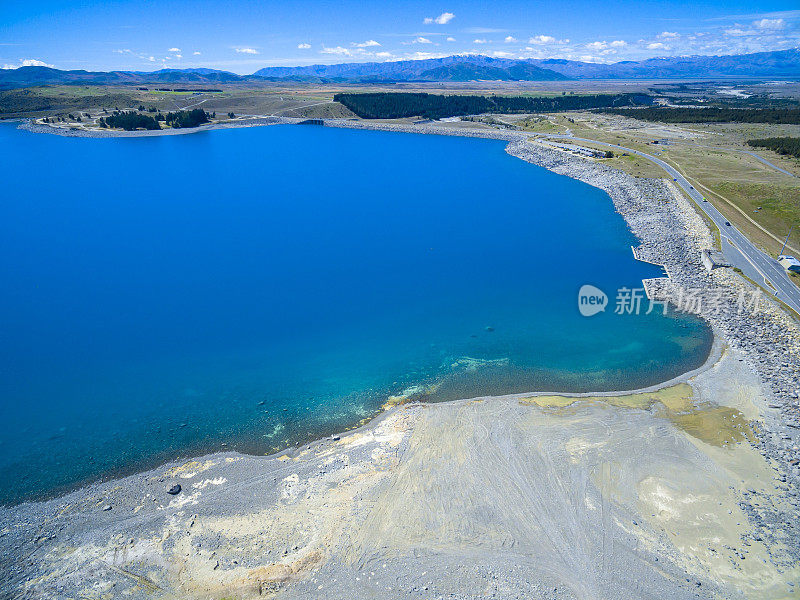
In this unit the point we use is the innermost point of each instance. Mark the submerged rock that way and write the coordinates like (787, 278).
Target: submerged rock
(175, 489)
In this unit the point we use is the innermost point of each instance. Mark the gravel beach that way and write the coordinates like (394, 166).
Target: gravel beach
(690, 489)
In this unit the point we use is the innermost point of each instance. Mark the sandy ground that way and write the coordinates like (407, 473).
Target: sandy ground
(658, 494)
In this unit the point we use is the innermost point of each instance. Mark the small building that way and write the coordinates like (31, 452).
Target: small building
(712, 259)
(790, 263)
(579, 150)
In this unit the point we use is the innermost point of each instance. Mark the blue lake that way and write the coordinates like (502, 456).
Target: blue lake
(255, 288)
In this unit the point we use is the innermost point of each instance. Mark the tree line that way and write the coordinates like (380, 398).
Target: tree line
(129, 121)
(712, 115)
(788, 146)
(132, 120)
(395, 105)
(186, 118)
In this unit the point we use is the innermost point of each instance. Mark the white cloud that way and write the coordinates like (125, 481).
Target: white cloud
(366, 44)
(510, 39)
(479, 41)
(450, 39)
(657, 46)
(246, 50)
(177, 50)
(195, 53)
(303, 46)
(501, 54)
(770, 24)
(179, 56)
(666, 35)
(421, 40)
(606, 47)
(542, 39)
(590, 59)
(143, 56)
(383, 55)
(762, 27)
(29, 62)
(336, 50)
(424, 55)
(442, 19)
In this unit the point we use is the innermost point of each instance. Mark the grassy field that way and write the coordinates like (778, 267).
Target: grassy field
(255, 99)
(52, 100)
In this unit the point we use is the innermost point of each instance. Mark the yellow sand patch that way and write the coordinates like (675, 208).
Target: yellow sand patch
(189, 469)
(271, 577)
(715, 425)
(677, 397)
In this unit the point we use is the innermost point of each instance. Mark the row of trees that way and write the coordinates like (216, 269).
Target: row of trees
(789, 146)
(132, 120)
(61, 119)
(713, 115)
(187, 118)
(129, 121)
(392, 105)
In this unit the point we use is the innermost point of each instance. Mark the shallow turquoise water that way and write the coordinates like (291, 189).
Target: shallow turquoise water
(254, 288)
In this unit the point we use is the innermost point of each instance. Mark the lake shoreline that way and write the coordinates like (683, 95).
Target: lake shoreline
(132, 535)
(670, 232)
(32, 126)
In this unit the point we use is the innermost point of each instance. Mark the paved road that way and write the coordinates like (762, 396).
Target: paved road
(285, 110)
(195, 104)
(769, 268)
(766, 162)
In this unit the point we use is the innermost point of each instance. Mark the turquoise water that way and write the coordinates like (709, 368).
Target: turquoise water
(254, 288)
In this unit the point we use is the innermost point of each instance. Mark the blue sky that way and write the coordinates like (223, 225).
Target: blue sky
(245, 35)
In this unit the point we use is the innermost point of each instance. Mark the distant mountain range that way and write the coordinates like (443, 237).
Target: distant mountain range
(28, 76)
(779, 64)
(782, 64)
(471, 67)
